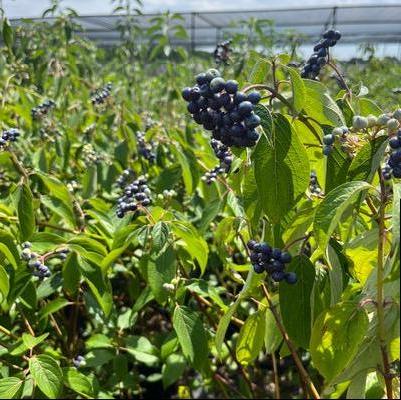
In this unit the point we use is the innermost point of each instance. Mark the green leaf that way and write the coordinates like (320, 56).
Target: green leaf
(26, 216)
(295, 305)
(100, 285)
(273, 336)
(298, 89)
(281, 169)
(9, 256)
(251, 337)
(368, 160)
(78, 382)
(193, 242)
(396, 214)
(356, 389)
(8, 35)
(89, 182)
(141, 348)
(56, 188)
(71, 274)
(11, 252)
(186, 169)
(266, 119)
(32, 341)
(10, 387)
(320, 106)
(336, 336)
(47, 375)
(160, 271)
(337, 167)
(160, 234)
(252, 281)
(259, 71)
(4, 284)
(192, 336)
(330, 210)
(172, 370)
(53, 306)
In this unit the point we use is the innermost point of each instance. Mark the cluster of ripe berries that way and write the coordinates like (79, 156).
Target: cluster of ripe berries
(10, 135)
(222, 52)
(35, 264)
(393, 166)
(223, 153)
(221, 108)
(318, 59)
(43, 109)
(79, 361)
(272, 260)
(314, 187)
(99, 96)
(329, 139)
(145, 149)
(135, 194)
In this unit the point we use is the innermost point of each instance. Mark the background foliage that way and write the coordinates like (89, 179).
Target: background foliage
(164, 302)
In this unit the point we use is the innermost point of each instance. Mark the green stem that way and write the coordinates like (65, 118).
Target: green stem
(381, 330)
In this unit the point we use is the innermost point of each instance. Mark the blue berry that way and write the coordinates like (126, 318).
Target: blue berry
(327, 150)
(291, 278)
(278, 276)
(285, 257)
(258, 268)
(254, 97)
(328, 139)
(245, 108)
(394, 143)
(231, 86)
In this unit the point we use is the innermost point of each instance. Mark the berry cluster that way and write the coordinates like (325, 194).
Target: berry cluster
(49, 134)
(314, 187)
(393, 166)
(272, 260)
(34, 264)
(222, 52)
(79, 361)
(145, 149)
(124, 178)
(320, 54)
(99, 96)
(43, 109)
(90, 155)
(225, 156)
(210, 176)
(329, 139)
(135, 193)
(10, 135)
(221, 108)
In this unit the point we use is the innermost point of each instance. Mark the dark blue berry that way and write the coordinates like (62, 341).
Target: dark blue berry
(254, 97)
(231, 86)
(291, 278)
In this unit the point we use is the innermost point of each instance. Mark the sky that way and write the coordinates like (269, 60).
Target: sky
(34, 8)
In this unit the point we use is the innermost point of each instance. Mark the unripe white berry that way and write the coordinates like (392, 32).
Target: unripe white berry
(392, 125)
(359, 122)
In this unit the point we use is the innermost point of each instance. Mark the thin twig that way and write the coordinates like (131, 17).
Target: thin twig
(381, 330)
(302, 371)
(276, 377)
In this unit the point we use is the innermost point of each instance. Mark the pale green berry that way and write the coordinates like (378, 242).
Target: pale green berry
(382, 120)
(397, 114)
(337, 131)
(359, 122)
(372, 120)
(392, 124)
